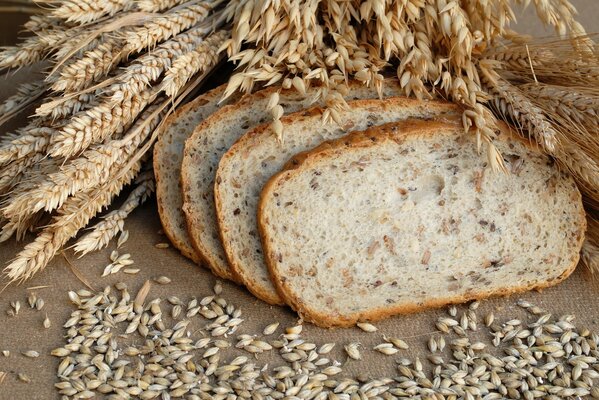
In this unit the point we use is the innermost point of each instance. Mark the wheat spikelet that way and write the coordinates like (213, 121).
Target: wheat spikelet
(201, 59)
(113, 223)
(166, 26)
(72, 216)
(98, 123)
(85, 11)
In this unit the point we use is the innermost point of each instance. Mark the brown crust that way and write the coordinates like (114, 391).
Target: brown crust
(230, 272)
(365, 139)
(245, 143)
(167, 224)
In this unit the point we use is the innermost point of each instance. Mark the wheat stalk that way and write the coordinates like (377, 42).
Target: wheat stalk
(113, 222)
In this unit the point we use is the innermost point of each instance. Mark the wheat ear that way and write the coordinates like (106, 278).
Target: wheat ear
(94, 65)
(509, 101)
(91, 169)
(167, 25)
(157, 5)
(27, 94)
(201, 59)
(113, 223)
(97, 124)
(19, 227)
(148, 68)
(62, 107)
(30, 140)
(72, 216)
(85, 11)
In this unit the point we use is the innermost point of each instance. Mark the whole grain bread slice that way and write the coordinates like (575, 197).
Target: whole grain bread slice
(408, 216)
(168, 155)
(250, 162)
(212, 138)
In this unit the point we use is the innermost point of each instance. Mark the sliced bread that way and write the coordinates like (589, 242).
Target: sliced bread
(211, 139)
(168, 155)
(258, 155)
(408, 216)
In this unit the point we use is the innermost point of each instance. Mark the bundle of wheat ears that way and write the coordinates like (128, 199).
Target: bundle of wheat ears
(114, 69)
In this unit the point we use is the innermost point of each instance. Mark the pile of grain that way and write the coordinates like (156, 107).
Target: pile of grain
(547, 358)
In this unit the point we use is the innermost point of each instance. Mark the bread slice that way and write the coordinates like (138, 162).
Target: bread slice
(248, 165)
(408, 216)
(210, 140)
(168, 155)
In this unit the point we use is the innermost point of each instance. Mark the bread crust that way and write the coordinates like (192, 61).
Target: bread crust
(369, 138)
(167, 223)
(245, 144)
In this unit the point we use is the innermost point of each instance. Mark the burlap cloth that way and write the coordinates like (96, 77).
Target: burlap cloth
(578, 295)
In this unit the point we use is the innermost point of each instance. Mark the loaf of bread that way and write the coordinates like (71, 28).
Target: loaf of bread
(212, 138)
(408, 216)
(168, 155)
(251, 161)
